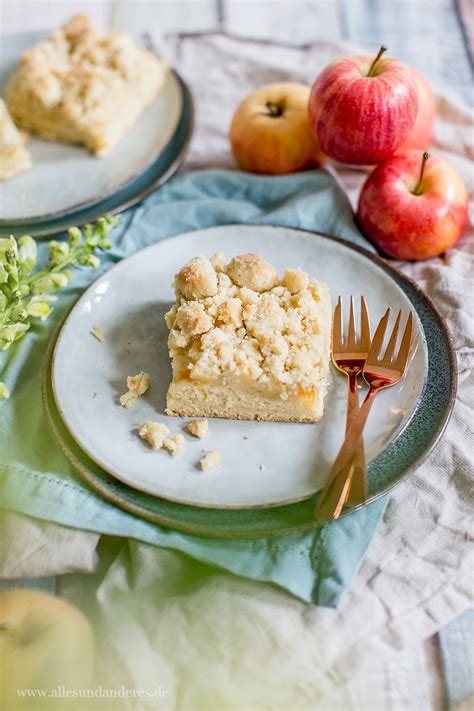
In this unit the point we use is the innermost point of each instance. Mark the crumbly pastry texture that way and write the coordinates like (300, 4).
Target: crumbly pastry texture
(155, 433)
(174, 444)
(81, 86)
(14, 157)
(137, 386)
(246, 344)
(210, 460)
(198, 428)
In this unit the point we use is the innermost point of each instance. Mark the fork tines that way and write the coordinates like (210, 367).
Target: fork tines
(338, 343)
(401, 359)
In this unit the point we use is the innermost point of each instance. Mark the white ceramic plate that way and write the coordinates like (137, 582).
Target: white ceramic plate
(262, 464)
(65, 177)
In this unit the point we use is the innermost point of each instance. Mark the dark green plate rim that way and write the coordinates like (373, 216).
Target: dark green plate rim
(158, 173)
(401, 458)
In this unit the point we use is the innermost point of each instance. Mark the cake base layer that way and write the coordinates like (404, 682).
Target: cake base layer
(188, 399)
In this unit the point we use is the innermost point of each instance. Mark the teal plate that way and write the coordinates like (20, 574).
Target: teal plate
(398, 460)
(161, 170)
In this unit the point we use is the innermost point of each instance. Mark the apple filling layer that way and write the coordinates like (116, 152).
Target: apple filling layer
(245, 344)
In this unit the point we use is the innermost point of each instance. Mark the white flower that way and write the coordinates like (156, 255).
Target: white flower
(43, 297)
(58, 251)
(45, 283)
(8, 243)
(4, 392)
(60, 280)
(27, 249)
(11, 333)
(75, 236)
(38, 309)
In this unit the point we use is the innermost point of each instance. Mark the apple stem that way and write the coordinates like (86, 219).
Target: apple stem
(273, 109)
(374, 63)
(417, 190)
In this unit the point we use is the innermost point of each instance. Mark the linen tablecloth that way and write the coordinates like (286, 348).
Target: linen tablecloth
(217, 641)
(316, 565)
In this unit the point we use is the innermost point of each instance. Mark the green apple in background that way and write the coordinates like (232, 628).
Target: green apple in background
(45, 643)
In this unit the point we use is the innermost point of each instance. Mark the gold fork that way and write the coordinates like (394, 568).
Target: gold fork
(349, 356)
(379, 373)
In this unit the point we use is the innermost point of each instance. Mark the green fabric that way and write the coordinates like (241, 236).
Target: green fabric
(36, 479)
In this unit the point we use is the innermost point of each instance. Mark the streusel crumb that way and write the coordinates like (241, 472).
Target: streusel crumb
(252, 271)
(154, 433)
(295, 280)
(137, 386)
(210, 460)
(197, 279)
(128, 399)
(198, 428)
(174, 444)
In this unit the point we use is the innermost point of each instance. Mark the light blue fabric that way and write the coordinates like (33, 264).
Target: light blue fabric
(36, 479)
(456, 653)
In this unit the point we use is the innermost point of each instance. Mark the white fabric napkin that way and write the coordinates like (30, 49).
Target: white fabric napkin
(253, 645)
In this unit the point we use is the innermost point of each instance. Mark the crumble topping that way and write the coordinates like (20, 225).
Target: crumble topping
(198, 428)
(154, 433)
(210, 460)
(137, 386)
(252, 271)
(174, 444)
(75, 85)
(239, 321)
(197, 279)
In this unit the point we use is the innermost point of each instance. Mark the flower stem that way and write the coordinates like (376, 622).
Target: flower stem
(273, 109)
(376, 60)
(417, 190)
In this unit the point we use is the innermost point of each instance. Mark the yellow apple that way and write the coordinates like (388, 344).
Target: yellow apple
(45, 643)
(270, 131)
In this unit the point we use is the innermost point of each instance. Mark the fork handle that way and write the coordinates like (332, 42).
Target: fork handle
(352, 400)
(354, 433)
(356, 491)
(329, 505)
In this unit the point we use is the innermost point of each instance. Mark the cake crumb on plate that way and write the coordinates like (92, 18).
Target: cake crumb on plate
(212, 459)
(174, 444)
(198, 428)
(137, 386)
(154, 433)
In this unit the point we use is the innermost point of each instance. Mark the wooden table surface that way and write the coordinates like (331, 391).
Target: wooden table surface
(436, 37)
(432, 35)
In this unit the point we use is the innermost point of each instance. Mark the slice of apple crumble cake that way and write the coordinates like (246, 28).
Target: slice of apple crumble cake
(81, 86)
(245, 344)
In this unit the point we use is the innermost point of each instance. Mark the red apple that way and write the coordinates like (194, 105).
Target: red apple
(362, 109)
(270, 131)
(413, 206)
(421, 134)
